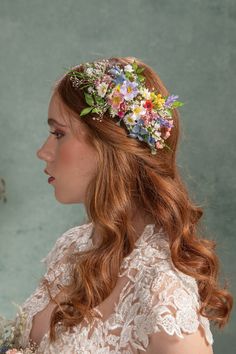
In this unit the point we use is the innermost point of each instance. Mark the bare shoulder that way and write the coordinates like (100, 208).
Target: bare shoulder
(194, 343)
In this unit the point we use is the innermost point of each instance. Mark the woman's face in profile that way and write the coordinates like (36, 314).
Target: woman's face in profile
(69, 159)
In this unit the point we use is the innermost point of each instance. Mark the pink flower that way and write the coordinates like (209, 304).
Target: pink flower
(167, 135)
(115, 100)
(122, 110)
(13, 351)
(121, 114)
(159, 145)
(107, 79)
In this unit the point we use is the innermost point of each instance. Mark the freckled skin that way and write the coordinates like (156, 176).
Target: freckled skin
(69, 159)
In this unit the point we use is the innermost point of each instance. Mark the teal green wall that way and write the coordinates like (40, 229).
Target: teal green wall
(191, 44)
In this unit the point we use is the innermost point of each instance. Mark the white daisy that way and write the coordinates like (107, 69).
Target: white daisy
(129, 119)
(138, 110)
(145, 93)
(102, 89)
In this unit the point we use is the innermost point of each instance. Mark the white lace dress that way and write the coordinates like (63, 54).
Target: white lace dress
(151, 299)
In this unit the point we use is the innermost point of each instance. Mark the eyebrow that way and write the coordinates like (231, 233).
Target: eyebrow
(52, 121)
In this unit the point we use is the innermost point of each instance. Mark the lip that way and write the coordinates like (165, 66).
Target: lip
(45, 171)
(51, 179)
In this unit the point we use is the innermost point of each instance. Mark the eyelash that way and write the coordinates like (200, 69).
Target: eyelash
(56, 134)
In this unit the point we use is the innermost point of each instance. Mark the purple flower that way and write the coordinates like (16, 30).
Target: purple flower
(165, 123)
(170, 100)
(129, 90)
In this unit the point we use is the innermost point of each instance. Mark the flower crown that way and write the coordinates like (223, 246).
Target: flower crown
(121, 91)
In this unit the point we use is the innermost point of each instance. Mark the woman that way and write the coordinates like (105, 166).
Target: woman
(137, 277)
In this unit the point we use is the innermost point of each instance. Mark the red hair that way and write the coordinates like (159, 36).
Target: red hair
(129, 177)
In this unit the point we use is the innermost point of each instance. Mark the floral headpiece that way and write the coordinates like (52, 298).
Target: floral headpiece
(120, 90)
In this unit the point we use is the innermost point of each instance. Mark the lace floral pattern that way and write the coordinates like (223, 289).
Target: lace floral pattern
(154, 297)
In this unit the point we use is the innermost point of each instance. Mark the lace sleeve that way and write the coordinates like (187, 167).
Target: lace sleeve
(176, 325)
(58, 273)
(63, 243)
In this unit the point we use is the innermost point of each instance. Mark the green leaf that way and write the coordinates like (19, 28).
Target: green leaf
(95, 110)
(169, 111)
(89, 99)
(177, 104)
(141, 78)
(86, 111)
(99, 100)
(140, 70)
(135, 65)
(128, 75)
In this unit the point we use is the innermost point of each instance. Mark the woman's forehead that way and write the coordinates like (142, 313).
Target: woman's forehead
(57, 111)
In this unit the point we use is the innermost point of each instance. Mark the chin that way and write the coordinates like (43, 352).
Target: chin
(67, 200)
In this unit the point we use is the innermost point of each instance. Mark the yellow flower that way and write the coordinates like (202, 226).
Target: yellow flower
(117, 88)
(158, 101)
(153, 96)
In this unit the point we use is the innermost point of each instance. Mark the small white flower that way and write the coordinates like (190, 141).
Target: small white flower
(90, 89)
(156, 134)
(145, 93)
(112, 112)
(157, 125)
(164, 113)
(129, 68)
(89, 71)
(102, 89)
(98, 72)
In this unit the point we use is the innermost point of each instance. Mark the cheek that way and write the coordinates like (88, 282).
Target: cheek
(77, 158)
(67, 157)
(68, 154)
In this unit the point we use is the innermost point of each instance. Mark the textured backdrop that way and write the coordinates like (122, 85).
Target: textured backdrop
(191, 44)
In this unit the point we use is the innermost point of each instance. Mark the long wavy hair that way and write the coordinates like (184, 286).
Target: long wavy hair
(130, 177)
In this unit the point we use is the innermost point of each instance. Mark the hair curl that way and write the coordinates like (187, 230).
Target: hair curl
(129, 177)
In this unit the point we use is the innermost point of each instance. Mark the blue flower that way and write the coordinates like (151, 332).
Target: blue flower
(151, 140)
(115, 70)
(119, 79)
(4, 348)
(136, 129)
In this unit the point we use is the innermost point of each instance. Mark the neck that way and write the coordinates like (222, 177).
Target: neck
(139, 221)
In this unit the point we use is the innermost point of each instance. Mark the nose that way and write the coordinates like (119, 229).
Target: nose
(46, 151)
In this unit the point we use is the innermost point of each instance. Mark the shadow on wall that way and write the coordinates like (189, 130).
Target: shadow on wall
(3, 190)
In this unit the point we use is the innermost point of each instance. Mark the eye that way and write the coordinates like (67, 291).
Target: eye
(57, 133)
